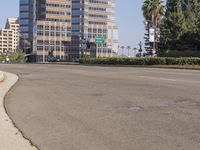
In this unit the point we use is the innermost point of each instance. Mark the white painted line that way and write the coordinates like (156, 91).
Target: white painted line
(158, 78)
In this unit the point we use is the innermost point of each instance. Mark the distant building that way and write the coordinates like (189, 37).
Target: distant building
(68, 28)
(9, 37)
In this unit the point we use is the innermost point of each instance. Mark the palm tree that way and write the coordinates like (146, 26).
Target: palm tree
(135, 51)
(153, 10)
(122, 47)
(128, 48)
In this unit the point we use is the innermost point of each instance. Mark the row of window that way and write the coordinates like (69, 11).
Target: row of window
(58, 5)
(97, 23)
(97, 30)
(47, 33)
(7, 35)
(57, 28)
(46, 42)
(2, 39)
(98, 1)
(98, 16)
(58, 20)
(97, 9)
(59, 13)
(50, 48)
(6, 45)
(5, 42)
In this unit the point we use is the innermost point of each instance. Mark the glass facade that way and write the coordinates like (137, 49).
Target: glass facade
(61, 26)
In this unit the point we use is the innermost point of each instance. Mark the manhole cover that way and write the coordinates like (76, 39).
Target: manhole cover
(135, 108)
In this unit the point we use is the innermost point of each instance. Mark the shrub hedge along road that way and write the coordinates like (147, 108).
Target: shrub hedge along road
(143, 61)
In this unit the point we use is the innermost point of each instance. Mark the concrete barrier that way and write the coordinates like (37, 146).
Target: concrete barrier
(1, 76)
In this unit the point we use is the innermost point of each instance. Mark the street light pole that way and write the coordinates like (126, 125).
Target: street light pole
(122, 47)
(154, 43)
(140, 48)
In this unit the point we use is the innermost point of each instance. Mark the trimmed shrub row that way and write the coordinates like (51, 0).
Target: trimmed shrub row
(143, 61)
(17, 57)
(181, 54)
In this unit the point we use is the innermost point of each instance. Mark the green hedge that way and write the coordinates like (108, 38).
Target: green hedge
(143, 61)
(2, 57)
(18, 57)
(181, 54)
(14, 57)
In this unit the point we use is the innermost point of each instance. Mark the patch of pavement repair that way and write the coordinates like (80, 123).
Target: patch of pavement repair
(11, 138)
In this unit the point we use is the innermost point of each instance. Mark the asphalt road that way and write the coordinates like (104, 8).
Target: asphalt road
(63, 107)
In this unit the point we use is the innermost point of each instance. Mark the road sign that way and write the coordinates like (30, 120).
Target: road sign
(151, 35)
(99, 40)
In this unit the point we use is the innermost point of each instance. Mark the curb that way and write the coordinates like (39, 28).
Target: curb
(11, 137)
(144, 66)
(1, 76)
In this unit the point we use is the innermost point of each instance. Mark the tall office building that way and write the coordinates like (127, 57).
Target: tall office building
(68, 28)
(44, 27)
(9, 37)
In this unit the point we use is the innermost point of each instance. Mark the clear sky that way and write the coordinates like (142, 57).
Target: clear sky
(129, 18)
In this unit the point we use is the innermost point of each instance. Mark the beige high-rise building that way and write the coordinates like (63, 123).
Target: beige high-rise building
(52, 30)
(102, 23)
(94, 19)
(9, 37)
(68, 29)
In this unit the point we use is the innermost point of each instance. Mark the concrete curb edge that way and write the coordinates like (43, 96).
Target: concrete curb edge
(13, 137)
(1, 76)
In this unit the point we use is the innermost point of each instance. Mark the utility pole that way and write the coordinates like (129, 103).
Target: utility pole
(140, 48)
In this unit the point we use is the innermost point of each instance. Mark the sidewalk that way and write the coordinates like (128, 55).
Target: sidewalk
(10, 136)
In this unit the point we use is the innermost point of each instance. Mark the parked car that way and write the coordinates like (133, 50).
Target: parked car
(52, 59)
(75, 60)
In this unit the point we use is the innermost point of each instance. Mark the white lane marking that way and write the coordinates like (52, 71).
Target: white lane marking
(157, 78)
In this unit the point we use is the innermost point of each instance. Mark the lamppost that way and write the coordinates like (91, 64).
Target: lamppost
(118, 50)
(140, 48)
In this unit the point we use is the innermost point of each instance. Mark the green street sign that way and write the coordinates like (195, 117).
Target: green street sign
(99, 40)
